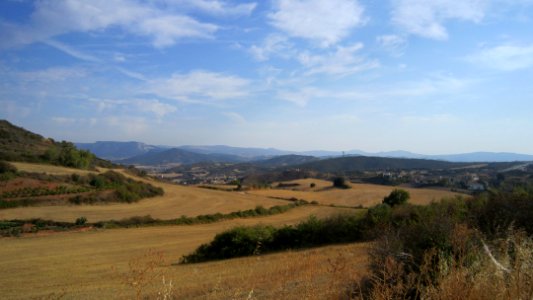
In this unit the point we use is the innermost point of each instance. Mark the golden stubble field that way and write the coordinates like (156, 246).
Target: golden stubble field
(99, 264)
(177, 201)
(80, 264)
(358, 194)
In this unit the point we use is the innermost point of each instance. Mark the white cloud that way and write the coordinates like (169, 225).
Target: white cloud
(71, 51)
(325, 21)
(393, 44)
(216, 7)
(53, 18)
(427, 18)
(504, 57)
(343, 61)
(302, 96)
(156, 107)
(273, 44)
(49, 75)
(130, 127)
(200, 86)
(166, 30)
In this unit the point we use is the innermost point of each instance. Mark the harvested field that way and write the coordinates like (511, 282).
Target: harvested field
(79, 264)
(177, 201)
(359, 194)
(48, 169)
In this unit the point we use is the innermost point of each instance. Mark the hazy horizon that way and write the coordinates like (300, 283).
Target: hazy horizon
(428, 77)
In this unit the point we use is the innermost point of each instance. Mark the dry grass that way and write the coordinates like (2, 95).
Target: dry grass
(177, 201)
(48, 169)
(305, 184)
(79, 263)
(359, 194)
(321, 273)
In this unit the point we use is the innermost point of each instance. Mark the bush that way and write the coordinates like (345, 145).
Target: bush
(239, 241)
(243, 241)
(397, 197)
(81, 221)
(340, 182)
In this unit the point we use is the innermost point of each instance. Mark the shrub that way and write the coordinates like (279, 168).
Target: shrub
(81, 221)
(340, 182)
(239, 241)
(242, 241)
(397, 197)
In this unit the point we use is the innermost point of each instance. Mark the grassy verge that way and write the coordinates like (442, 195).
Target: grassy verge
(18, 227)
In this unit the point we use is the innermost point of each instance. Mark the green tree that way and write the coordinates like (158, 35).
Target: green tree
(397, 197)
(340, 182)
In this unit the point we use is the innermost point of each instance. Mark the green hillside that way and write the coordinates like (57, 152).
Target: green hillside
(19, 144)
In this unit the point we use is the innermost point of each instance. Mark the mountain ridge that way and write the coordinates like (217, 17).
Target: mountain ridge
(255, 153)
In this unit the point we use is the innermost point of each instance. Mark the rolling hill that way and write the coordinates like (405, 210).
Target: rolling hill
(118, 150)
(121, 150)
(364, 163)
(16, 143)
(179, 156)
(19, 144)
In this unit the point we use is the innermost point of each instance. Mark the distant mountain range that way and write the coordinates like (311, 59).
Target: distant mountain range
(463, 157)
(179, 156)
(134, 153)
(118, 150)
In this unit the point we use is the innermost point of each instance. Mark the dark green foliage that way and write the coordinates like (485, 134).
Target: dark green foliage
(43, 191)
(201, 219)
(397, 197)
(17, 203)
(16, 227)
(496, 211)
(81, 221)
(7, 171)
(6, 167)
(90, 189)
(243, 241)
(340, 183)
(18, 144)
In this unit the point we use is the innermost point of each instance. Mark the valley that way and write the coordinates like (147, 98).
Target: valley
(127, 242)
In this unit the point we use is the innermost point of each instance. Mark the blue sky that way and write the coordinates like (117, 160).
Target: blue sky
(428, 76)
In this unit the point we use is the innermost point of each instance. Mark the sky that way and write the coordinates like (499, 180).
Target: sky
(427, 76)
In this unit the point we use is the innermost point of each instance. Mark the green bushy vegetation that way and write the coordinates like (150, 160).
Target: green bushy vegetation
(17, 227)
(340, 183)
(7, 171)
(415, 247)
(396, 197)
(43, 191)
(243, 241)
(89, 189)
(139, 221)
(122, 189)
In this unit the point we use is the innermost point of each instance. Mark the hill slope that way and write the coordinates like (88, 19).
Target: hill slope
(178, 156)
(16, 143)
(364, 163)
(118, 150)
(19, 144)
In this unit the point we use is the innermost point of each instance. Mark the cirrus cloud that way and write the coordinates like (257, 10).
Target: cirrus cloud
(54, 18)
(327, 22)
(427, 18)
(200, 86)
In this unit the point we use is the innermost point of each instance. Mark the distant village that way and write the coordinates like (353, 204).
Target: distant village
(468, 180)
